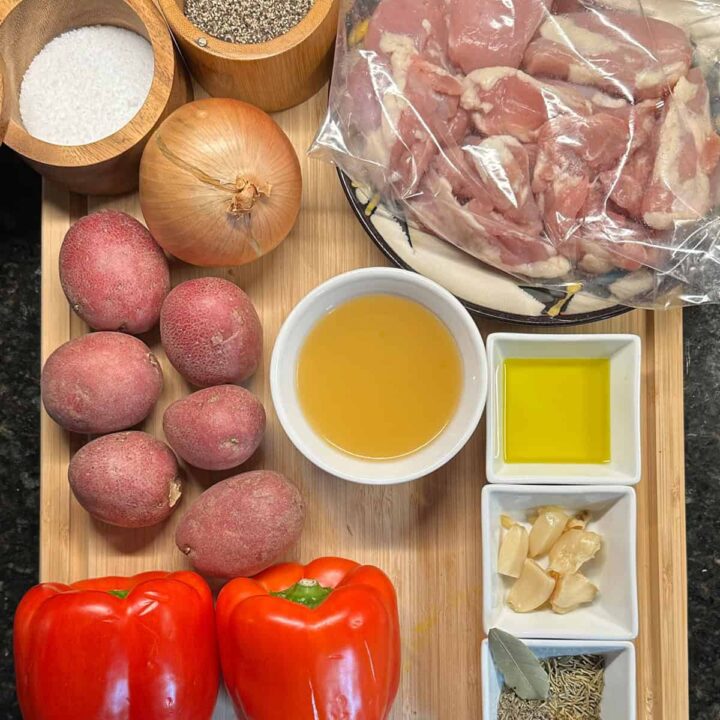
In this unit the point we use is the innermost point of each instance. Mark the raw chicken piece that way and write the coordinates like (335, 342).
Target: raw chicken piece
(600, 101)
(627, 184)
(433, 94)
(628, 189)
(625, 54)
(369, 111)
(613, 241)
(391, 133)
(357, 129)
(567, 6)
(487, 33)
(573, 151)
(417, 24)
(503, 164)
(453, 164)
(495, 173)
(431, 119)
(484, 234)
(505, 101)
(606, 240)
(359, 108)
(687, 157)
(641, 121)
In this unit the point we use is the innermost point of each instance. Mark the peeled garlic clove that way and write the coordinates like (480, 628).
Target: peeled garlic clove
(572, 550)
(506, 521)
(571, 591)
(546, 529)
(531, 590)
(513, 551)
(532, 514)
(579, 521)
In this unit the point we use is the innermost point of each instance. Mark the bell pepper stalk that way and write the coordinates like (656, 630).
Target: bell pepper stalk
(313, 642)
(118, 648)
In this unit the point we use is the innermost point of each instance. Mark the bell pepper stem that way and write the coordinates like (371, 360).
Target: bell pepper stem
(306, 592)
(122, 594)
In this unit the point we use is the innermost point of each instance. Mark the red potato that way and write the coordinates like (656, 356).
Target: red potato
(211, 332)
(242, 525)
(217, 428)
(114, 274)
(128, 479)
(101, 383)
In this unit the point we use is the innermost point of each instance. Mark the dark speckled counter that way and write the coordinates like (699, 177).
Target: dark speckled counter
(19, 401)
(702, 492)
(19, 446)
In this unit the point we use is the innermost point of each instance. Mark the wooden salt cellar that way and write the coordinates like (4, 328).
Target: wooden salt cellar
(108, 166)
(274, 75)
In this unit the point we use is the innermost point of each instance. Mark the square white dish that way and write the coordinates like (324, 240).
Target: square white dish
(624, 353)
(618, 701)
(614, 613)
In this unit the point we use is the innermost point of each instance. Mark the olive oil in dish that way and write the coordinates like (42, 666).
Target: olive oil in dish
(379, 377)
(556, 410)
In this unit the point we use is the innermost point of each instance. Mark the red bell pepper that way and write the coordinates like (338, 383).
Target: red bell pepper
(320, 642)
(115, 648)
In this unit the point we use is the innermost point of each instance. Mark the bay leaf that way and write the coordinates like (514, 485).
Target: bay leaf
(522, 671)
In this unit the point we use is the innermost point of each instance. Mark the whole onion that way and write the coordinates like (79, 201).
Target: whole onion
(220, 183)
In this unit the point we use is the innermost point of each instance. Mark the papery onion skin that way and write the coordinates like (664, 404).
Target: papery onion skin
(220, 183)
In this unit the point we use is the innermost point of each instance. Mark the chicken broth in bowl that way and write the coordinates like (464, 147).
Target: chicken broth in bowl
(379, 377)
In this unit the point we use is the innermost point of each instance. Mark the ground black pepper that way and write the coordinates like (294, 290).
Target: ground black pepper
(246, 21)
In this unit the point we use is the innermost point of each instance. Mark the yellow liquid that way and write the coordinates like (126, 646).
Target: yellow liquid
(379, 377)
(557, 410)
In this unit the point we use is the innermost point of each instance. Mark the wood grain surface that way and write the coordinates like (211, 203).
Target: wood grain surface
(425, 534)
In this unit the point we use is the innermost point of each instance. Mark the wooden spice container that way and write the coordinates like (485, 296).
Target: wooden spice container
(274, 75)
(108, 166)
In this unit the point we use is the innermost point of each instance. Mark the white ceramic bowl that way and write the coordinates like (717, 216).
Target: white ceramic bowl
(613, 615)
(618, 700)
(623, 351)
(334, 292)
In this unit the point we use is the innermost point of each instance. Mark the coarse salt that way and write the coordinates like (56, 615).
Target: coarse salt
(86, 84)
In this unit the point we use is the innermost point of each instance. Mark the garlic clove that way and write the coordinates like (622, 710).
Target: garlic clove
(531, 590)
(507, 522)
(571, 591)
(532, 514)
(546, 529)
(572, 550)
(579, 521)
(513, 551)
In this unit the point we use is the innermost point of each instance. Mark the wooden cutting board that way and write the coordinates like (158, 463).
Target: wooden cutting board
(425, 534)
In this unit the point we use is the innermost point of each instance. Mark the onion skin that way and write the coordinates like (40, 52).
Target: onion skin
(220, 183)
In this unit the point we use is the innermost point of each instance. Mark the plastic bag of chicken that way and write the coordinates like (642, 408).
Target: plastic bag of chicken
(561, 141)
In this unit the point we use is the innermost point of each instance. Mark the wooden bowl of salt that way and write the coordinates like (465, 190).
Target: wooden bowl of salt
(69, 121)
(274, 75)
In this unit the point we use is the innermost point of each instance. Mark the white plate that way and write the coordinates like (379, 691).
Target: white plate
(618, 700)
(623, 351)
(482, 289)
(614, 613)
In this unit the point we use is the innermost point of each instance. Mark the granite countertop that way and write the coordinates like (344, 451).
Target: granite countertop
(19, 446)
